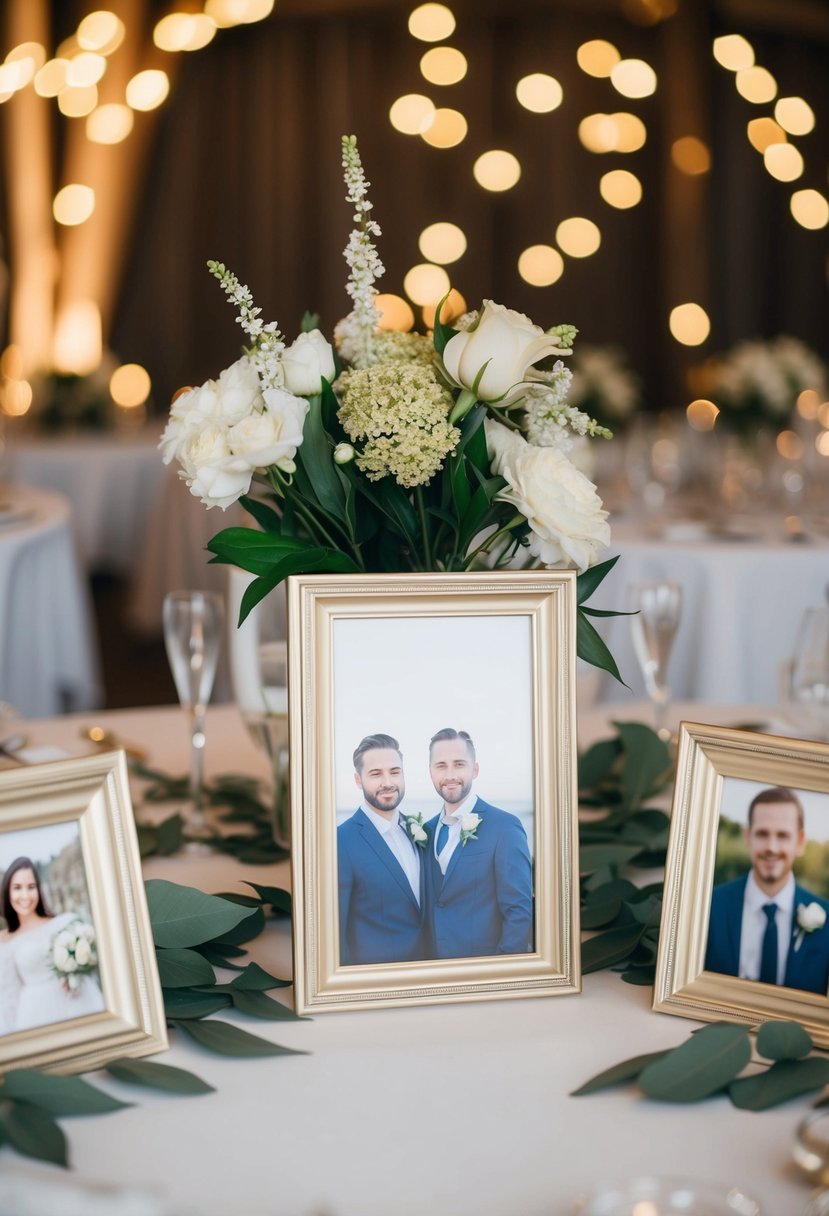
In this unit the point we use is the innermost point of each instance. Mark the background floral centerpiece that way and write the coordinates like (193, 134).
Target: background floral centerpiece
(756, 383)
(394, 451)
(604, 385)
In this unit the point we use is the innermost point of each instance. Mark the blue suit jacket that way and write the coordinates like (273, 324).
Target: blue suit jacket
(380, 921)
(484, 903)
(806, 968)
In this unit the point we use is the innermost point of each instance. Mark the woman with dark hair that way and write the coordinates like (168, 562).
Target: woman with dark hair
(32, 991)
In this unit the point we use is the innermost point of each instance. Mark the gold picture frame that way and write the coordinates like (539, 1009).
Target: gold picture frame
(72, 820)
(721, 774)
(414, 654)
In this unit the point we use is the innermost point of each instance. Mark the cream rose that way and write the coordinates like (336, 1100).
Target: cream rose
(811, 916)
(417, 832)
(503, 342)
(83, 952)
(470, 821)
(60, 957)
(306, 362)
(568, 525)
(272, 436)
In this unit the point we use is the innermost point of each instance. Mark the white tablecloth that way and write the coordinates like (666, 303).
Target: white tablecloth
(454, 1109)
(48, 655)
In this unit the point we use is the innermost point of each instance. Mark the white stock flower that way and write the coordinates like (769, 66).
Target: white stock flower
(506, 343)
(306, 362)
(470, 821)
(272, 436)
(567, 522)
(811, 916)
(83, 952)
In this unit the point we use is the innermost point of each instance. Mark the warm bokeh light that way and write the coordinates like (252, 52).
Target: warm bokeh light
(762, 132)
(599, 133)
(539, 93)
(454, 306)
(823, 414)
(689, 324)
(496, 170)
(808, 404)
(77, 103)
(147, 89)
(15, 76)
(109, 124)
(789, 445)
(540, 265)
(412, 114)
(16, 397)
(620, 188)
(649, 12)
(101, 31)
(396, 312)
(443, 65)
(578, 236)
(442, 243)
(702, 414)
(11, 363)
(73, 204)
(130, 385)
(426, 284)
(227, 13)
(822, 443)
(691, 155)
(733, 52)
(597, 57)
(810, 208)
(756, 85)
(783, 161)
(33, 53)
(794, 115)
(85, 69)
(184, 32)
(633, 78)
(68, 49)
(447, 129)
(431, 22)
(77, 345)
(631, 132)
(51, 78)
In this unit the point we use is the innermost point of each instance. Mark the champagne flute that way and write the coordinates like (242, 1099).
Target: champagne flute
(809, 674)
(657, 607)
(192, 636)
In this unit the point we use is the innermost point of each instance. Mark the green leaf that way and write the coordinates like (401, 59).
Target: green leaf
(264, 515)
(700, 1067)
(218, 960)
(170, 835)
(647, 761)
(275, 896)
(595, 764)
(589, 580)
(648, 912)
(183, 916)
(642, 976)
(307, 561)
(316, 455)
(619, 888)
(442, 333)
(785, 1080)
(309, 322)
(60, 1096)
(255, 979)
(599, 915)
(255, 551)
(188, 1003)
(158, 1076)
(605, 612)
(258, 1005)
(783, 1041)
(594, 856)
(229, 1040)
(183, 969)
(250, 927)
(628, 1070)
(612, 946)
(34, 1133)
(591, 648)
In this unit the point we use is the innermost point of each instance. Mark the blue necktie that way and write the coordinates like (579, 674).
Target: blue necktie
(443, 836)
(768, 956)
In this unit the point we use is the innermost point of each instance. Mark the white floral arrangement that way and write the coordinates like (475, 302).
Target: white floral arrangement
(73, 954)
(604, 385)
(758, 382)
(392, 451)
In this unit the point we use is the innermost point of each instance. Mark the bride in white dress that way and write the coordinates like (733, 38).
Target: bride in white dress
(31, 994)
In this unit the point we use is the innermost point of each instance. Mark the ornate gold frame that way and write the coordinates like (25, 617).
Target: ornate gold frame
(548, 599)
(93, 790)
(706, 755)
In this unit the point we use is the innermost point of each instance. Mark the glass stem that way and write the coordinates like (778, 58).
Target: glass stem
(197, 765)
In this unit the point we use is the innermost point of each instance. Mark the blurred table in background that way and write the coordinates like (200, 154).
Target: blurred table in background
(48, 655)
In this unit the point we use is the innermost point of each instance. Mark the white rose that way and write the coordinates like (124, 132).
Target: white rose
(506, 341)
(272, 436)
(417, 831)
(238, 392)
(567, 522)
(73, 982)
(83, 952)
(811, 916)
(65, 938)
(86, 930)
(470, 821)
(306, 362)
(60, 957)
(221, 482)
(70, 964)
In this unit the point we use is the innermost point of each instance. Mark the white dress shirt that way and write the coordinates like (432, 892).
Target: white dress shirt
(396, 835)
(754, 927)
(454, 822)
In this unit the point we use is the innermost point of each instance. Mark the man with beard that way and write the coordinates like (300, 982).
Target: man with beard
(380, 874)
(480, 880)
(764, 926)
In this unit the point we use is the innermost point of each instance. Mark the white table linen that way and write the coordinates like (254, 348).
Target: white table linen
(445, 1109)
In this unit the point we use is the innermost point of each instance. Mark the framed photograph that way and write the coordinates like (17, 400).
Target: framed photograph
(78, 979)
(745, 920)
(432, 757)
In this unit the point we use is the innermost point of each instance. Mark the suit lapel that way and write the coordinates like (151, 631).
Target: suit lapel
(453, 860)
(382, 851)
(734, 923)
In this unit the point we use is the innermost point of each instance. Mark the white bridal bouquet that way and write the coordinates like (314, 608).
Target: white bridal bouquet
(392, 451)
(73, 954)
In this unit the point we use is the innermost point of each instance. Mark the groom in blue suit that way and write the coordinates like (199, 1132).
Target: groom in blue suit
(379, 867)
(480, 879)
(764, 925)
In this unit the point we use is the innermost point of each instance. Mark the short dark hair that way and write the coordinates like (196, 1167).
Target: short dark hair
(10, 916)
(369, 743)
(449, 732)
(779, 793)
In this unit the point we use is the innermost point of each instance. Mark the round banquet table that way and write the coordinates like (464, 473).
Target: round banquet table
(48, 655)
(460, 1109)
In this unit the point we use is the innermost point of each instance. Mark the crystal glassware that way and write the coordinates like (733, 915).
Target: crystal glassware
(657, 607)
(651, 1196)
(192, 636)
(808, 674)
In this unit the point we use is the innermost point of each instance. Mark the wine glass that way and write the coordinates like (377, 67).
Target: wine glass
(664, 1197)
(808, 691)
(657, 607)
(192, 636)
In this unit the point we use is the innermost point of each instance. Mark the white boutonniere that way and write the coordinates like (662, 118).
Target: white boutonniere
(469, 826)
(809, 918)
(415, 828)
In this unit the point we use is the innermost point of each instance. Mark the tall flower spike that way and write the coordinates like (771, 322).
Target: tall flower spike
(363, 260)
(267, 342)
